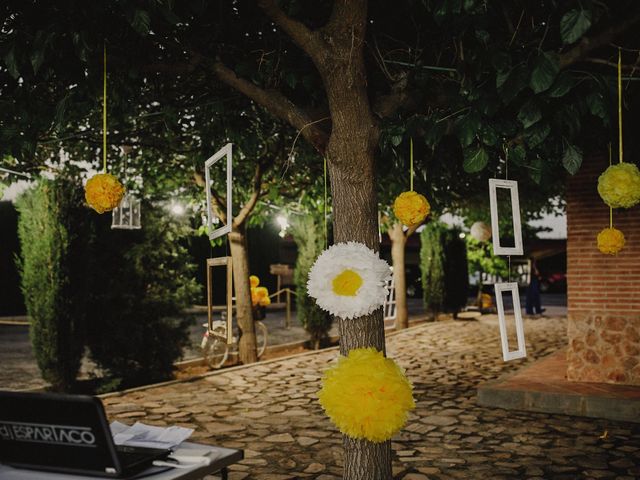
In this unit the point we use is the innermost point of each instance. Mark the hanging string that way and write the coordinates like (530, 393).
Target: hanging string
(326, 228)
(506, 163)
(411, 163)
(506, 177)
(610, 209)
(620, 103)
(104, 110)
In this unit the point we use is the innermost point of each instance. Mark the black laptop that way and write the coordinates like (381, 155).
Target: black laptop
(65, 433)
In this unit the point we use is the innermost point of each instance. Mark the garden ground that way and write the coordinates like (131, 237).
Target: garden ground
(271, 411)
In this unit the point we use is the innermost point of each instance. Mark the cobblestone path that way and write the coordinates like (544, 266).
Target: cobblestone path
(271, 411)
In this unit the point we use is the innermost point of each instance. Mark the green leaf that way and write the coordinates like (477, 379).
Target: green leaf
(545, 71)
(434, 133)
(567, 120)
(475, 160)
(501, 61)
(467, 128)
(562, 85)
(597, 105)
(537, 134)
(572, 159)
(488, 135)
(11, 64)
(529, 113)
(574, 24)
(535, 170)
(512, 85)
(518, 155)
(141, 22)
(396, 140)
(37, 57)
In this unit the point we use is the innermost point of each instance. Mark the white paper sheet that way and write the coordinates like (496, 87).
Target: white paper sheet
(141, 435)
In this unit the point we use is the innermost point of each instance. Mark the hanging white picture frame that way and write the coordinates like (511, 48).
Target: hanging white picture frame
(521, 351)
(512, 186)
(224, 152)
(389, 305)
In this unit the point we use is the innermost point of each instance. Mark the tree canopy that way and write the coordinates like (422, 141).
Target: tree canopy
(470, 81)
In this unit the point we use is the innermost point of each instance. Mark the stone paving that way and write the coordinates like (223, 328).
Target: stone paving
(271, 411)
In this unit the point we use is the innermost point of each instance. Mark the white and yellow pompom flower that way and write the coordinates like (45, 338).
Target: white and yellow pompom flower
(610, 241)
(367, 395)
(348, 280)
(619, 185)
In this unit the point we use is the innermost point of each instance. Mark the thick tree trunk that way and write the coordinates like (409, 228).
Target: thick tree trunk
(244, 312)
(398, 244)
(353, 141)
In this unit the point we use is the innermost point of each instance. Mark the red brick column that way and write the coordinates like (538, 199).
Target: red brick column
(603, 290)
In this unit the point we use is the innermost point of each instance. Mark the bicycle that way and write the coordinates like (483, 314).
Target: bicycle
(215, 349)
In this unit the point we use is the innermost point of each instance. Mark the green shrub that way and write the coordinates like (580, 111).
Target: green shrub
(309, 239)
(142, 280)
(443, 261)
(456, 273)
(432, 266)
(55, 236)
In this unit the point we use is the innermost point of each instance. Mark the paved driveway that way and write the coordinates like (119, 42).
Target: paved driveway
(271, 411)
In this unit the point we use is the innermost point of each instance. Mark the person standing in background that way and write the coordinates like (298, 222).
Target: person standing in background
(533, 292)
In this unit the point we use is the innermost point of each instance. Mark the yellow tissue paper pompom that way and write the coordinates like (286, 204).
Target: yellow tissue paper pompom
(264, 301)
(619, 185)
(262, 292)
(254, 281)
(103, 192)
(366, 395)
(610, 241)
(411, 208)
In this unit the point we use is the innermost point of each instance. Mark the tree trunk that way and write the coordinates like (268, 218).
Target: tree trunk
(244, 313)
(398, 243)
(353, 141)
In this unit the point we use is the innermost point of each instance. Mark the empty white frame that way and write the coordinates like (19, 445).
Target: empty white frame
(512, 186)
(521, 352)
(225, 151)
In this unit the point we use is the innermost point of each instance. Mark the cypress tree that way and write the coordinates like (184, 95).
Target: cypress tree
(53, 230)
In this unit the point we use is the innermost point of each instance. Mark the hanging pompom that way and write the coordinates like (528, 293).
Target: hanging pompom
(103, 192)
(481, 231)
(411, 208)
(610, 241)
(260, 296)
(619, 185)
(254, 281)
(348, 280)
(367, 395)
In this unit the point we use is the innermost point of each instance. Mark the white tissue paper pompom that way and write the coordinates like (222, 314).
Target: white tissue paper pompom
(348, 280)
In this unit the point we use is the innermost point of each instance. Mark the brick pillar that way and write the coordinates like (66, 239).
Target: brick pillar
(603, 290)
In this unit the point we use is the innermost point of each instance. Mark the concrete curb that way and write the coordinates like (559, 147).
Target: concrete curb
(240, 367)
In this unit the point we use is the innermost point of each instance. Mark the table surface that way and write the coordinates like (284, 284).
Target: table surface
(224, 458)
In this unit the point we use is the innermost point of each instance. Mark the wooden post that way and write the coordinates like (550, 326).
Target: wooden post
(288, 317)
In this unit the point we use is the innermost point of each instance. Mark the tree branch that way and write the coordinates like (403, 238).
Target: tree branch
(218, 206)
(308, 40)
(248, 207)
(601, 61)
(275, 103)
(587, 45)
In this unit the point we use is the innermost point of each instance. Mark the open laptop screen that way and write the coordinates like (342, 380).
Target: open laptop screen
(55, 432)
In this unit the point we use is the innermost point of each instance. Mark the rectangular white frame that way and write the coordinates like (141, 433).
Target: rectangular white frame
(225, 151)
(389, 305)
(512, 185)
(521, 352)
